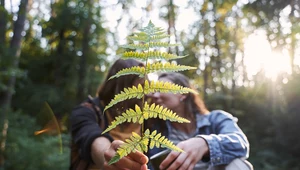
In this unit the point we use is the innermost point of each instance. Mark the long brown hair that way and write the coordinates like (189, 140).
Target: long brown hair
(110, 88)
(193, 103)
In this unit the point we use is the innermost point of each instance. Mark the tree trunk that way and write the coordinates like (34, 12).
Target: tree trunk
(218, 59)
(293, 37)
(15, 51)
(3, 23)
(59, 56)
(233, 60)
(82, 84)
(171, 26)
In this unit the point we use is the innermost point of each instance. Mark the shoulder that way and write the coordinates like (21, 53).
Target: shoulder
(220, 115)
(83, 109)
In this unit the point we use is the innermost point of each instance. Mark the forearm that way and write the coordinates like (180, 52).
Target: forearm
(98, 147)
(224, 148)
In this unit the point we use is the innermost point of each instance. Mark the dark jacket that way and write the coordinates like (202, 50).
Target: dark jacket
(87, 123)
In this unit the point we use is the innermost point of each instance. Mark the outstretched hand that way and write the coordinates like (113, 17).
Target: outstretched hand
(194, 150)
(133, 161)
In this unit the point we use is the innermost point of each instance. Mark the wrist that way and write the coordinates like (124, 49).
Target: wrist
(98, 147)
(203, 145)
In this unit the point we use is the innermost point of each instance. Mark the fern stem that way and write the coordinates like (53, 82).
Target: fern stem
(145, 74)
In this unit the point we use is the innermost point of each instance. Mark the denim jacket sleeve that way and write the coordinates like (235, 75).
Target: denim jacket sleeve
(225, 139)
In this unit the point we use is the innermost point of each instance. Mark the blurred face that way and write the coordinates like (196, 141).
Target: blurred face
(168, 100)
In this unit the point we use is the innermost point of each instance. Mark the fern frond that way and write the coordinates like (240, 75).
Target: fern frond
(158, 141)
(140, 71)
(136, 46)
(166, 67)
(149, 45)
(150, 29)
(166, 87)
(161, 44)
(148, 112)
(129, 115)
(155, 111)
(141, 37)
(132, 70)
(136, 142)
(127, 93)
(159, 37)
(132, 144)
(143, 56)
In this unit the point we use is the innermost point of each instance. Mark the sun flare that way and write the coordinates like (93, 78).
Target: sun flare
(260, 57)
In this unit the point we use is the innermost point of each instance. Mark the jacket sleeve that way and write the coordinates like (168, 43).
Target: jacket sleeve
(84, 129)
(227, 141)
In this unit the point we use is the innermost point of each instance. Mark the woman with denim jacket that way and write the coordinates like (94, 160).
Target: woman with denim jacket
(212, 140)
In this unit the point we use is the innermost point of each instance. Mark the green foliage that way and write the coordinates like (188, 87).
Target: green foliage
(24, 150)
(145, 42)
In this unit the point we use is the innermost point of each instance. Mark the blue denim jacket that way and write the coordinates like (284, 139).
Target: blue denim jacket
(225, 139)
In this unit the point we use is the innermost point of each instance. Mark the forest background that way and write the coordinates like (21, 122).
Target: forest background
(53, 53)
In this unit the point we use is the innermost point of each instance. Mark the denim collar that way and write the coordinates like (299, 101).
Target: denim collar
(202, 120)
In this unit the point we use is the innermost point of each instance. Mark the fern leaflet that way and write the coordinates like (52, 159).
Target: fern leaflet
(166, 87)
(149, 45)
(132, 70)
(127, 93)
(139, 92)
(143, 56)
(148, 111)
(166, 67)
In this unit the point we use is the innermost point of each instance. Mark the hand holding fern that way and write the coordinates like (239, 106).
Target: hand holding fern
(135, 160)
(195, 149)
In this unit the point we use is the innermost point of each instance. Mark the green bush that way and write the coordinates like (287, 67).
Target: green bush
(25, 150)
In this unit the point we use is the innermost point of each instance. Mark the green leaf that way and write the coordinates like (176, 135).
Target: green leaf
(137, 70)
(127, 93)
(150, 55)
(114, 159)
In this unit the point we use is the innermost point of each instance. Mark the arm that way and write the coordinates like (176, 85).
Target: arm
(226, 141)
(85, 129)
(97, 148)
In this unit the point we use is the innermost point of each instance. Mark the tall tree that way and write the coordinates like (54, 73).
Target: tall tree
(14, 52)
(3, 20)
(82, 79)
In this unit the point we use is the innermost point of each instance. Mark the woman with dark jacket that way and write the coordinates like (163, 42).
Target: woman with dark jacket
(90, 149)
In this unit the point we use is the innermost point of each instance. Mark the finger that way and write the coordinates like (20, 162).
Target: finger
(109, 167)
(191, 167)
(169, 159)
(128, 163)
(179, 163)
(138, 157)
(144, 167)
(116, 144)
(111, 152)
